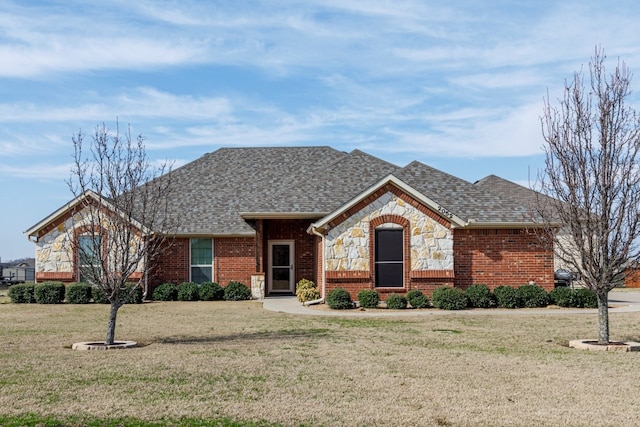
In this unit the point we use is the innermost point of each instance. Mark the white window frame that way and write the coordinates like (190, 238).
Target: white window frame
(191, 265)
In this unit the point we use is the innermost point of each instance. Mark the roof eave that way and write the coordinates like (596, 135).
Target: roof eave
(441, 210)
(282, 215)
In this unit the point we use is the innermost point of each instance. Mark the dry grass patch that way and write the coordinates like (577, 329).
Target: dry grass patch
(210, 359)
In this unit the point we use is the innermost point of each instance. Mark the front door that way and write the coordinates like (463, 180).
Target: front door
(281, 268)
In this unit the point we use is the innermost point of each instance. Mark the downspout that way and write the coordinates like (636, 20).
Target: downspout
(324, 277)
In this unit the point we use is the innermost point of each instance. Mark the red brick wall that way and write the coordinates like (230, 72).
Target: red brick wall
(495, 257)
(172, 266)
(305, 247)
(234, 260)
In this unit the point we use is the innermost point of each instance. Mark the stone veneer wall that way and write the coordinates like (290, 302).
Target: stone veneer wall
(54, 251)
(55, 259)
(347, 244)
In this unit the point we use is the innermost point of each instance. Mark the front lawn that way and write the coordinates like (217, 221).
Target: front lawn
(236, 363)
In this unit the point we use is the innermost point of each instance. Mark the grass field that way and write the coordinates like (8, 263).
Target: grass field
(235, 361)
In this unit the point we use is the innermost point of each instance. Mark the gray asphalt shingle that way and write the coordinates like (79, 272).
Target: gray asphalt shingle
(212, 191)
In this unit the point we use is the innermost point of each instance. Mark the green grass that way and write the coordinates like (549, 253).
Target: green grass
(34, 420)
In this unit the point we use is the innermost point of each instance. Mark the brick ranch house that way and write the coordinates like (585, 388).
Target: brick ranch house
(270, 217)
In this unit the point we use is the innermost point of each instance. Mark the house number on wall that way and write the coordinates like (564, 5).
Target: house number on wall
(445, 212)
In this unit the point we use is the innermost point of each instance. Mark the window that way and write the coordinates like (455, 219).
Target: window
(201, 260)
(389, 258)
(89, 258)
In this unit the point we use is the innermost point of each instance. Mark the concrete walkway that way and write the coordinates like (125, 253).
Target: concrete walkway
(619, 302)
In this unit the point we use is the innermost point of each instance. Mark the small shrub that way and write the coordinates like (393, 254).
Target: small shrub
(396, 302)
(448, 298)
(368, 298)
(49, 293)
(562, 296)
(210, 291)
(236, 291)
(22, 293)
(339, 299)
(507, 297)
(165, 292)
(417, 299)
(135, 295)
(586, 298)
(532, 296)
(480, 296)
(78, 293)
(99, 297)
(188, 291)
(306, 290)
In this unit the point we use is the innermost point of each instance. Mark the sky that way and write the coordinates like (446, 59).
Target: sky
(458, 85)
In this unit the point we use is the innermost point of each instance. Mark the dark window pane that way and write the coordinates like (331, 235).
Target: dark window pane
(389, 257)
(280, 255)
(389, 245)
(201, 274)
(389, 275)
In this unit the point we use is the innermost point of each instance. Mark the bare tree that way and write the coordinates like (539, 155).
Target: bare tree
(121, 222)
(592, 144)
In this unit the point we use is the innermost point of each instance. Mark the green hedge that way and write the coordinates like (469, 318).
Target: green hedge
(368, 298)
(78, 293)
(188, 291)
(507, 297)
(49, 293)
(417, 299)
(396, 302)
(339, 299)
(480, 296)
(22, 293)
(448, 298)
(532, 296)
(165, 292)
(210, 291)
(236, 291)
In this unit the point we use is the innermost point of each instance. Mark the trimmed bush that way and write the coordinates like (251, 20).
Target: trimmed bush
(417, 299)
(562, 296)
(136, 296)
(236, 291)
(480, 296)
(78, 293)
(98, 296)
(210, 291)
(368, 298)
(188, 291)
(396, 302)
(306, 290)
(22, 293)
(532, 296)
(339, 299)
(49, 293)
(507, 297)
(586, 298)
(165, 292)
(448, 298)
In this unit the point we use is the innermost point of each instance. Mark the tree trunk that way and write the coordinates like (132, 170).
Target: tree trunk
(111, 326)
(603, 317)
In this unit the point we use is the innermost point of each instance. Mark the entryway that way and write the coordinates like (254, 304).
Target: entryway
(281, 278)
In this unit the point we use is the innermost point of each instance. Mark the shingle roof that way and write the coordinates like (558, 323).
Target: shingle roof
(462, 198)
(212, 191)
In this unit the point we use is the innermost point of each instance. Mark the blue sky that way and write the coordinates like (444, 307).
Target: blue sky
(457, 85)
